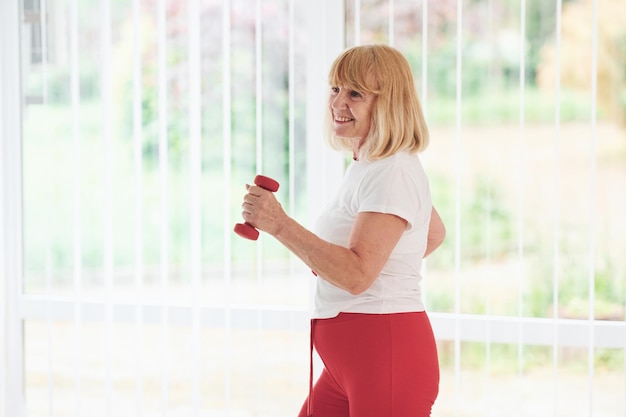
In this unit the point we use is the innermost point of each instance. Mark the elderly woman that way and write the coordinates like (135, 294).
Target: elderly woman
(369, 326)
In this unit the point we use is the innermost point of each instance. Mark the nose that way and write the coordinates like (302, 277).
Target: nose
(338, 101)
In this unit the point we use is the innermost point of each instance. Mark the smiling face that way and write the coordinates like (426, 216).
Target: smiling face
(373, 108)
(351, 112)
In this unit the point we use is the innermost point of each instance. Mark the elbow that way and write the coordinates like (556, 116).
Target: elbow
(356, 290)
(358, 287)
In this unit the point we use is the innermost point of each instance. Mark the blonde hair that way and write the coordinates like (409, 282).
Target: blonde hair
(397, 118)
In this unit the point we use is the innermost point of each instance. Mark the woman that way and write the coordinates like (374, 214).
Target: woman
(369, 328)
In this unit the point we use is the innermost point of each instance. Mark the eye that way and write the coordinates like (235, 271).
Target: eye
(335, 90)
(355, 94)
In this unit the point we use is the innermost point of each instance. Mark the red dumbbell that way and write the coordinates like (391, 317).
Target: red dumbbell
(246, 230)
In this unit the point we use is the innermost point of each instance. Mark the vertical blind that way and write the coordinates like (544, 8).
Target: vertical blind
(144, 120)
(496, 47)
(159, 294)
(11, 374)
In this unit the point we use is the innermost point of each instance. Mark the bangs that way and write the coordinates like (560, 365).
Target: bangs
(355, 70)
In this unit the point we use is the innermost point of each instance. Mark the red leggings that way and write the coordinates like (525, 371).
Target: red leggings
(376, 365)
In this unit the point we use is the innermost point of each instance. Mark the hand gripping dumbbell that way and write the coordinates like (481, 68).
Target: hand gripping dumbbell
(246, 230)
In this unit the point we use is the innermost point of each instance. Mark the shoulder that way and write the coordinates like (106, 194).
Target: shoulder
(401, 169)
(399, 162)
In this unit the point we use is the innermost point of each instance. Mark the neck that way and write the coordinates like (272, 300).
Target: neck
(356, 145)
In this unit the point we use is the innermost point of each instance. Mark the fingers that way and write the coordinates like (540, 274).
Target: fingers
(256, 195)
(246, 216)
(255, 190)
(251, 200)
(261, 209)
(254, 201)
(247, 208)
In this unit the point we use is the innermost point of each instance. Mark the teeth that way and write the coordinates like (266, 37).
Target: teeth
(342, 119)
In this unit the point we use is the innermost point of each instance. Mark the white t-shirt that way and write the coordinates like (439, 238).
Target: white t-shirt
(395, 185)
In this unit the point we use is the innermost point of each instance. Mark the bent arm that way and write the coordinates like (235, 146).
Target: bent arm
(436, 232)
(353, 268)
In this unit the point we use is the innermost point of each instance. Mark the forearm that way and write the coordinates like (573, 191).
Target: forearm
(353, 267)
(339, 265)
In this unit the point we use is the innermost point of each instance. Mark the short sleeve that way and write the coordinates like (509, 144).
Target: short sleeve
(391, 189)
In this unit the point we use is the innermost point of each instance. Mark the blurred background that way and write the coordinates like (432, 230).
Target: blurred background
(143, 119)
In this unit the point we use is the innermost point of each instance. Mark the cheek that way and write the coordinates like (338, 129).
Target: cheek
(368, 117)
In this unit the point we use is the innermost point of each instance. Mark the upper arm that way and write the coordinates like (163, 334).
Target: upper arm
(436, 232)
(372, 239)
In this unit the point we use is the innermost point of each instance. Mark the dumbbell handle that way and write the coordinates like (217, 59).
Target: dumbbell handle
(246, 230)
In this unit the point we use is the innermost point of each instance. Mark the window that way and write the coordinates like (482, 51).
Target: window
(142, 121)
(528, 291)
